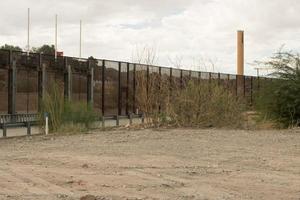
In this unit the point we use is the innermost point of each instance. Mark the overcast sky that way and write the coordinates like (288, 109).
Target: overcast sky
(192, 30)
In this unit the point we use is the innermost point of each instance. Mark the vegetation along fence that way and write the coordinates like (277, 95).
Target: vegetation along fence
(110, 86)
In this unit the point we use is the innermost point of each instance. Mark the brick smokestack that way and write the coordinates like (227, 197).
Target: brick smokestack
(240, 52)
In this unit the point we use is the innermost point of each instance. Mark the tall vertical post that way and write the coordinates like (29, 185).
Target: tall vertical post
(80, 37)
(90, 83)
(12, 83)
(147, 83)
(67, 80)
(240, 64)
(127, 90)
(171, 81)
(159, 88)
(240, 53)
(41, 86)
(181, 79)
(119, 90)
(28, 32)
(134, 90)
(103, 88)
(44, 79)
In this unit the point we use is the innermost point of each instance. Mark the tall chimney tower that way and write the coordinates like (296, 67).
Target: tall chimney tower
(240, 52)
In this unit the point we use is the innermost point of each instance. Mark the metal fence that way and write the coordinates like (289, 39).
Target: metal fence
(109, 85)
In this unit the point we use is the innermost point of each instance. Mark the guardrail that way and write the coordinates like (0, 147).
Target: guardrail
(18, 120)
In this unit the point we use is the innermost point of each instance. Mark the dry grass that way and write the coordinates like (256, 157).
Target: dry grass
(194, 105)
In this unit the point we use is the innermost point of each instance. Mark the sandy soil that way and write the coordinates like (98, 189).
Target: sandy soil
(153, 164)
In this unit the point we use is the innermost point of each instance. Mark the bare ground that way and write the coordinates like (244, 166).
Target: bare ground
(153, 164)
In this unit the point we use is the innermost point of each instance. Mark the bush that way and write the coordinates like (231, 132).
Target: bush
(205, 105)
(66, 114)
(194, 105)
(279, 100)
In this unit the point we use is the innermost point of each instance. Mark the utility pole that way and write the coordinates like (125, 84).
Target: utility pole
(80, 38)
(28, 32)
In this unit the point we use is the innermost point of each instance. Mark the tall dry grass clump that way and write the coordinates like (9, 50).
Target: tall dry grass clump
(152, 96)
(65, 116)
(193, 105)
(205, 105)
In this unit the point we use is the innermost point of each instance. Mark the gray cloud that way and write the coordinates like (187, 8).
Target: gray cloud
(191, 29)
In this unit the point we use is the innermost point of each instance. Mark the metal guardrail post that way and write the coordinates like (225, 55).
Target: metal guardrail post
(28, 128)
(4, 130)
(143, 118)
(103, 122)
(130, 118)
(117, 120)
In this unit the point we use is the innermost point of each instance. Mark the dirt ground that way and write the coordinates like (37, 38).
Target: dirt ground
(153, 164)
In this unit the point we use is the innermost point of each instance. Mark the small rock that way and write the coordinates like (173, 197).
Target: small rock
(88, 197)
(85, 166)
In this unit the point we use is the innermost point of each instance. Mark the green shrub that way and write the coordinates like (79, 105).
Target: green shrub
(279, 99)
(64, 114)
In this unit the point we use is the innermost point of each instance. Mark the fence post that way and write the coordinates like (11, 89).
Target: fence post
(40, 82)
(127, 90)
(181, 79)
(103, 87)
(244, 84)
(236, 85)
(119, 90)
(171, 81)
(12, 83)
(67, 80)
(90, 83)
(134, 88)
(147, 86)
(159, 89)
(251, 91)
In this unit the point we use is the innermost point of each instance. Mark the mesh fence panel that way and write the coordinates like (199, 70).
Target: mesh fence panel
(3, 91)
(232, 84)
(26, 82)
(186, 77)
(141, 84)
(97, 87)
(123, 89)
(4, 65)
(165, 85)
(119, 97)
(248, 87)
(111, 87)
(131, 91)
(224, 81)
